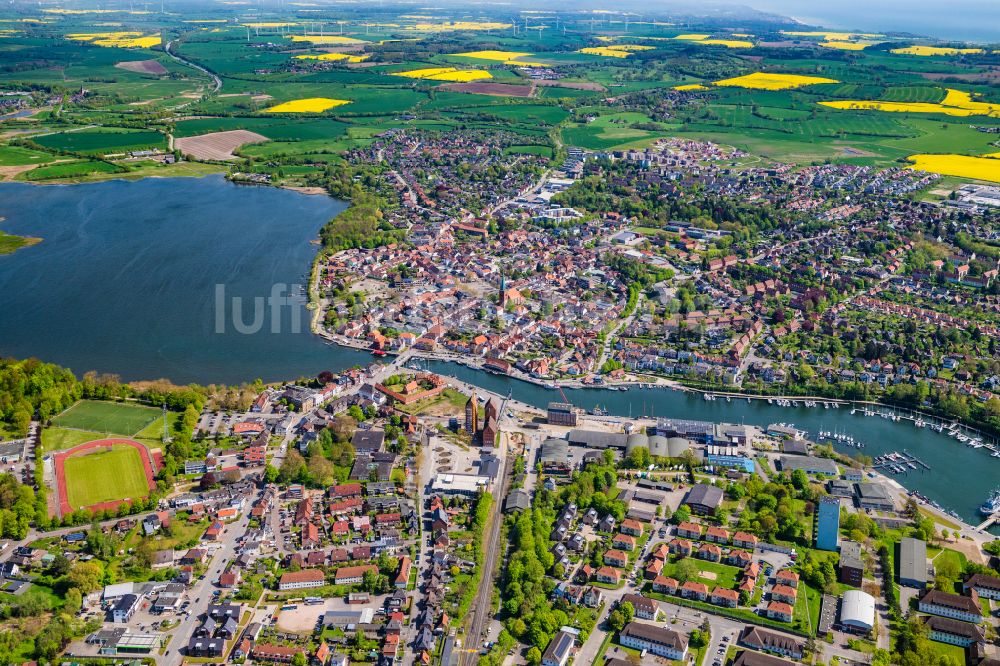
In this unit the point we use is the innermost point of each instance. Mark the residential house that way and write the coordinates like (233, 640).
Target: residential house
(768, 640)
(616, 558)
(777, 610)
(710, 552)
(645, 608)
(680, 547)
(725, 597)
(945, 604)
(664, 585)
(659, 641)
(786, 577)
(559, 649)
(689, 530)
(608, 575)
(693, 590)
(717, 535)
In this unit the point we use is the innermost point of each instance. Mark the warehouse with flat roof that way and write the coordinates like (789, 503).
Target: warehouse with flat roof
(913, 563)
(596, 439)
(468, 485)
(808, 464)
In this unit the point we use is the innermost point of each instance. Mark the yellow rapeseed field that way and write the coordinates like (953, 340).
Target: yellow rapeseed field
(898, 107)
(452, 26)
(326, 39)
(501, 56)
(346, 57)
(616, 51)
(691, 86)
(132, 43)
(770, 81)
(845, 46)
(123, 40)
(451, 74)
(506, 57)
(606, 51)
(729, 43)
(963, 166)
(963, 100)
(706, 39)
(205, 21)
(955, 103)
(308, 105)
(933, 51)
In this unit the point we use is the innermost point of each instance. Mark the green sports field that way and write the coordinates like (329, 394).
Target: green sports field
(105, 476)
(107, 417)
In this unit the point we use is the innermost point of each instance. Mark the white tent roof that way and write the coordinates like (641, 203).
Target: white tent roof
(858, 609)
(118, 590)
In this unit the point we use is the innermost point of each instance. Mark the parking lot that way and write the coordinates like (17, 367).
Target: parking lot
(303, 618)
(451, 458)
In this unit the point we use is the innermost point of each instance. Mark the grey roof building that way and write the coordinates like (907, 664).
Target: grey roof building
(517, 500)
(559, 650)
(808, 464)
(596, 439)
(874, 496)
(913, 563)
(368, 441)
(703, 498)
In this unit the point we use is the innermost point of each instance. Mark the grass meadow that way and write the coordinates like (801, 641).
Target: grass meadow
(104, 476)
(107, 417)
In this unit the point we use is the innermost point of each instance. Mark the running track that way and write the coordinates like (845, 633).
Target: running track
(59, 460)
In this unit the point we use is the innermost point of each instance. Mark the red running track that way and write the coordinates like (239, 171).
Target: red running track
(59, 460)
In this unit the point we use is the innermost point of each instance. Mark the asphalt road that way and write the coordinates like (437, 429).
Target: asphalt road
(200, 593)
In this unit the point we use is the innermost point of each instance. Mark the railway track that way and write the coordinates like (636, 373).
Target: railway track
(481, 610)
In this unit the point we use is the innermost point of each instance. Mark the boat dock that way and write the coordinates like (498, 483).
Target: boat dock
(988, 523)
(967, 435)
(895, 462)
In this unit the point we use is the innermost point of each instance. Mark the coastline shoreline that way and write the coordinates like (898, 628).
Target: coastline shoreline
(475, 363)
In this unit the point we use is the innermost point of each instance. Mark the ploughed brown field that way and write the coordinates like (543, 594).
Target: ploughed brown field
(143, 67)
(217, 145)
(486, 88)
(988, 75)
(575, 85)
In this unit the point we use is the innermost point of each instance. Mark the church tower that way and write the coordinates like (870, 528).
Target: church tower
(472, 415)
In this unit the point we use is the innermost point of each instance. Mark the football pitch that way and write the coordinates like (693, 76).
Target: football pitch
(105, 476)
(107, 417)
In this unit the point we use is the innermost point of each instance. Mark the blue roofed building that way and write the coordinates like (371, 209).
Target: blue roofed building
(828, 523)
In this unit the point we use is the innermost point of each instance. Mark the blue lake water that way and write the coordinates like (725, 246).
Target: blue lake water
(125, 279)
(965, 20)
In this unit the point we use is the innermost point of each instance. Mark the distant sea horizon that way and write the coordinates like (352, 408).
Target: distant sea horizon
(961, 20)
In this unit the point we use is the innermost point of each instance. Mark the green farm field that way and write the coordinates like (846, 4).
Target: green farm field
(611, 131)
(105, 476)
(107, 417)
(18, 156)
(72, 169)
(102, 142)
